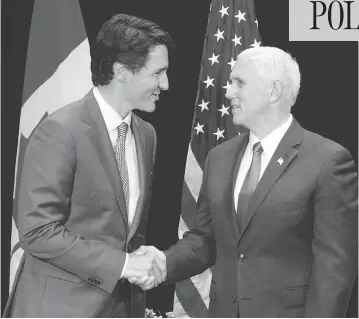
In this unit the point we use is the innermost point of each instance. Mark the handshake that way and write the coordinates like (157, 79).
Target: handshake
(146, 267)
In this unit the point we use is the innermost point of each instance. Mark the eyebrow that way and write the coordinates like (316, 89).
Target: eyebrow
(236, 78)
(162, 69)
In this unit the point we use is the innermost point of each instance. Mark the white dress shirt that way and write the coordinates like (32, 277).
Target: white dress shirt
(113, 120)
(269, 145)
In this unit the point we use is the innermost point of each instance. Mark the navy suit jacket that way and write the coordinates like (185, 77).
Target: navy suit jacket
(72, 219)
(296, 253)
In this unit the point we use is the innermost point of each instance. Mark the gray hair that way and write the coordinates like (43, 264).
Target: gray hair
(275, 64)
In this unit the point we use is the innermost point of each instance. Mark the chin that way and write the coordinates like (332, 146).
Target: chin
(148, 108)
(237, 121)
(151, 109)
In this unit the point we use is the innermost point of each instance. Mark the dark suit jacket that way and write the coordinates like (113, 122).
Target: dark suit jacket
(296, 253)
(72, 221)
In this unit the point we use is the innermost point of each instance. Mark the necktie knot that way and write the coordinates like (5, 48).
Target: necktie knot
(257, 148)
(122, 129)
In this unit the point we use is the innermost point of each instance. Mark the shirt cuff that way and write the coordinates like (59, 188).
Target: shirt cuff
(124, 266)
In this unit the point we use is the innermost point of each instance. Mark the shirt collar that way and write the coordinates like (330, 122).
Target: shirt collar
(111, 117)
(272, 140)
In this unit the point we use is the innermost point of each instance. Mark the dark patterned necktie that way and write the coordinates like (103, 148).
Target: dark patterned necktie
(249, 184)
(121, 159)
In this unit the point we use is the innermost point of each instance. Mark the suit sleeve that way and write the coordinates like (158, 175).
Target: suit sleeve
(196, 251)
(44, 199)
(334, 243)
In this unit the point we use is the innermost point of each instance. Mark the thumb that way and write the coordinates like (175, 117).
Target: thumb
(141, 251)
(132, 280)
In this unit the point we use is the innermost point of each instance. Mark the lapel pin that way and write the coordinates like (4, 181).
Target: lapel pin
(280, 161)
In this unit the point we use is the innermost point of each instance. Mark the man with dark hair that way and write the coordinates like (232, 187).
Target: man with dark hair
(86, 182)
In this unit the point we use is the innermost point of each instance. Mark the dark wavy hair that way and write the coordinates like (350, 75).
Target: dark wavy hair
(125, 39)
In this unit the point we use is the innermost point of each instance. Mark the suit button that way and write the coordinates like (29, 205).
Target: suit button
(95, 281)
(234, 299)
(241, 257)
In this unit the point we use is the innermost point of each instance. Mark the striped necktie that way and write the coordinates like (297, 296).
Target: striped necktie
(121, 159)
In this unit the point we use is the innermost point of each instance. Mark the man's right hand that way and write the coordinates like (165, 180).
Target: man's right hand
(141, 263)
(158, 273)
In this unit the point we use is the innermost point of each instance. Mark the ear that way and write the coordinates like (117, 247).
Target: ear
(277, 90)
(119, 71)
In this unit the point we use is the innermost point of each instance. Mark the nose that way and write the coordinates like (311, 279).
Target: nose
(230, 93)
(164, 85)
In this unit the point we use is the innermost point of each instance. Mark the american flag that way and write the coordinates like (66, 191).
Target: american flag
(232, 27)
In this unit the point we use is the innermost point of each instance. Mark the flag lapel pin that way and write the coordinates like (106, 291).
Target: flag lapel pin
(280, 161)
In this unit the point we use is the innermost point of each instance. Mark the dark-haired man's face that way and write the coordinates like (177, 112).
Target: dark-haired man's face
(143, 88)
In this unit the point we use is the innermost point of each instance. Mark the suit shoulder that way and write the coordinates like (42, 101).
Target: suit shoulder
(67, 115)
(61, 122)
(320, 143)
(229, 144)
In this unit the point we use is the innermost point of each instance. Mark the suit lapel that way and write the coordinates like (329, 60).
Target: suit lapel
(284, 154)
(143, 171)
(242, 144)
(98, 135)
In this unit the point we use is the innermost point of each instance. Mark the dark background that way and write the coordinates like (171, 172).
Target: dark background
(327, 103)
